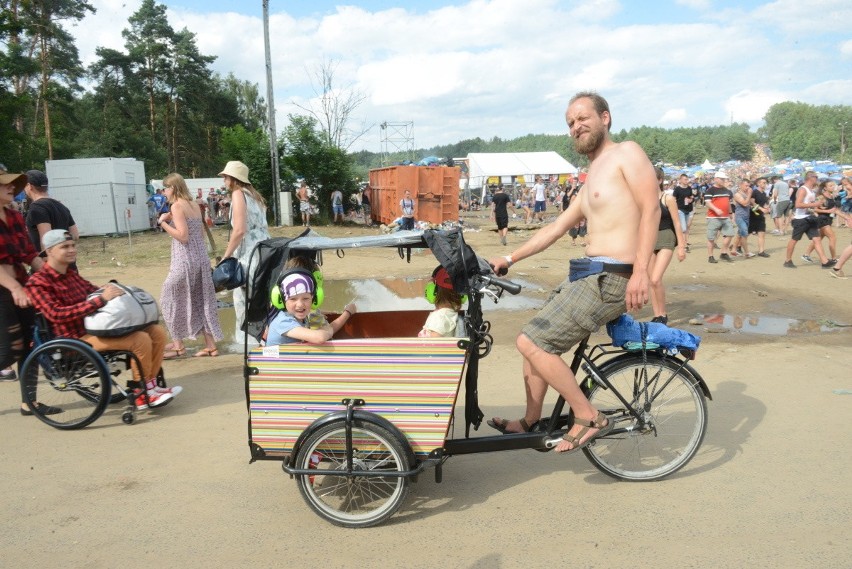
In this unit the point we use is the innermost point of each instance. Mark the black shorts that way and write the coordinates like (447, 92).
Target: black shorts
(502, 221)
(806, 226)
(757, 224)
(824, 221)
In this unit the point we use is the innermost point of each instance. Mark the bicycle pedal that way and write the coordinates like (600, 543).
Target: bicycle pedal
(551, 443)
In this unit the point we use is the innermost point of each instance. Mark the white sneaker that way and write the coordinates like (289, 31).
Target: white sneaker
(174, 389)
(155, 399)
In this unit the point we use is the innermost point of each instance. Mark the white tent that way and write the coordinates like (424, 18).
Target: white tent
(481, 166)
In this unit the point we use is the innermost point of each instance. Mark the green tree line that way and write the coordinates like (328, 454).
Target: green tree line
(792, 130)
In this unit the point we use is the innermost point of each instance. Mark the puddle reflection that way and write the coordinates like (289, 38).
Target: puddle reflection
(770, 325)
(372, 295)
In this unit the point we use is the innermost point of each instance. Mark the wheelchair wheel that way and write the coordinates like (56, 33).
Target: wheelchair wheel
(65, 383)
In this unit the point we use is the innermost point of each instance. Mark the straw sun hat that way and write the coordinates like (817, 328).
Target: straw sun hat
(236, 170)
(19, 180)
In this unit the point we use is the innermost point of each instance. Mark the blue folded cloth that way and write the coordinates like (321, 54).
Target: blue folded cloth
(624, 330)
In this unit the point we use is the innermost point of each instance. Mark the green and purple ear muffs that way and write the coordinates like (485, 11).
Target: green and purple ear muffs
(297, 281)
(440, 278)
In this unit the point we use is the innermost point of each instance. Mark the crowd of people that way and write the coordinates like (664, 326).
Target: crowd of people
(38, 272)
(215, 206)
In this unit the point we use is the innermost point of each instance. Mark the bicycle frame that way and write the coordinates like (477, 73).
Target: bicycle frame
(547, 436)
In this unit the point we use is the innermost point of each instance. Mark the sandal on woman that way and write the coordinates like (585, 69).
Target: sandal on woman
(211, 352)
(597, 423)
(174, 354)
(503, 424)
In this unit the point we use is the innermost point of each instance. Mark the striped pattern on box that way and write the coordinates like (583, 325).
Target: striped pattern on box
(412, 382)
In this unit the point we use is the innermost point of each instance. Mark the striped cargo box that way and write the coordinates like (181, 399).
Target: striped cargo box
(412, 382)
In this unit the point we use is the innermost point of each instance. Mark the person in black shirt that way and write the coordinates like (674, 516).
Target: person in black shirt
(757, 217)
(683, 195)
(365, 205)
(45, 213)
(499, 213)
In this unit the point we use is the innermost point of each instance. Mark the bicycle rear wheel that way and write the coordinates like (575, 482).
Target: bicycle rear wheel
(674, 411)
(65, 383)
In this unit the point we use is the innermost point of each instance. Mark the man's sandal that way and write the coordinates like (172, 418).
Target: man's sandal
(597, 423)
(502, 425)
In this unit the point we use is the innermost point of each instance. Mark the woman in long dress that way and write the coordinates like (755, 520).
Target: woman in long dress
(248, 228)
(188, 298)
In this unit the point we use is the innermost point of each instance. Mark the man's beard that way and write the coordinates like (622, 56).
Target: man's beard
(592, 142)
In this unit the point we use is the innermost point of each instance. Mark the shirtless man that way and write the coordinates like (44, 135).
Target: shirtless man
(619, 203)
(304, 204)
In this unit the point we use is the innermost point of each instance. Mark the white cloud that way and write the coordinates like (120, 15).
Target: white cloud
(750, 106)
(102, 29)
(695, 4)
(830, 92)
(594, 11)
(507, 68)
(805, 18)
(675, 116)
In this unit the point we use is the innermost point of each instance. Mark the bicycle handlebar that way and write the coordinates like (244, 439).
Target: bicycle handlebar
(507, 285)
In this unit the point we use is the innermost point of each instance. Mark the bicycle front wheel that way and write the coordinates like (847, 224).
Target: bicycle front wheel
(354, 501)
(65, 383)
(674, 419)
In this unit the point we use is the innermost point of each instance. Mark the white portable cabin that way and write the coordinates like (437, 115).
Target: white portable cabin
(105, 195)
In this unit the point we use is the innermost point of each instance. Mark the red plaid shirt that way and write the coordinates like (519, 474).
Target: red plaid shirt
(62, 299)
(15, 245)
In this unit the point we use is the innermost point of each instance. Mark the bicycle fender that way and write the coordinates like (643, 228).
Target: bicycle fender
(687, 367)
(341, 416)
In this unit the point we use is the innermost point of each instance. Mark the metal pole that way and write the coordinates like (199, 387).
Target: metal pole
(273, 137)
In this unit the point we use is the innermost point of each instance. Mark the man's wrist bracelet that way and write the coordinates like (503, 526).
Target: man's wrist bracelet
(509, 260)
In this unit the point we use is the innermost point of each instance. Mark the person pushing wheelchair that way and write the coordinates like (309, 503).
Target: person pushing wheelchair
(61, 295)
(620, 206)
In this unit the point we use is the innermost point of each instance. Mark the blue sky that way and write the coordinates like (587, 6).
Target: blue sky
(508, 67)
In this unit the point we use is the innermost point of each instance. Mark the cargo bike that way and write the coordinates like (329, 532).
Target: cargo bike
(355, 420)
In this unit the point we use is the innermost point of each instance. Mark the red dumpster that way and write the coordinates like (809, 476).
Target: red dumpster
(435, 190)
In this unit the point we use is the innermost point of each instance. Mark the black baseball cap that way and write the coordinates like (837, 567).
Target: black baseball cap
(37, 178)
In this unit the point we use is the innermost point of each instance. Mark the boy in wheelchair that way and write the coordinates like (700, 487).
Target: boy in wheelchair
(60, 294)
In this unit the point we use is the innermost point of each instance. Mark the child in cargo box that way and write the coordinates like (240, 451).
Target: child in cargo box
(295, 314)
(443, 321)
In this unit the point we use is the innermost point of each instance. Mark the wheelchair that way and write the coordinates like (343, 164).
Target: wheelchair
(71, 375)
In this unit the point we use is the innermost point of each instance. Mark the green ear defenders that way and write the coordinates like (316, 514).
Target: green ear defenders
(440, 278)
(276, 296)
